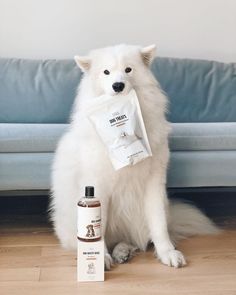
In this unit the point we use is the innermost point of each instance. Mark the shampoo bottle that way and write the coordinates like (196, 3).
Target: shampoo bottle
(89, 217)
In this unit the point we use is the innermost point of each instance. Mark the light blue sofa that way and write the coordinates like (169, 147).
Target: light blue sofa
(36, 98)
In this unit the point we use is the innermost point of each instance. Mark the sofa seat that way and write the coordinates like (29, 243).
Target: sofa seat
(202, 154)
(32, 171)
(33, 138)
(203, 136)
(23, 138)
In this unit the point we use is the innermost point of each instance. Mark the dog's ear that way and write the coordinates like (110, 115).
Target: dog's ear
(148, 54)
(83, 62)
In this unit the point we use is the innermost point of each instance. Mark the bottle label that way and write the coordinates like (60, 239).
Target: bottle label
(89, 222)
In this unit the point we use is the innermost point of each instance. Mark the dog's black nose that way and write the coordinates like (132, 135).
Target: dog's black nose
(118, 86)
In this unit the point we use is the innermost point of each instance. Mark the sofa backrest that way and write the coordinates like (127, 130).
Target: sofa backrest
(37, 91)
(198, 90)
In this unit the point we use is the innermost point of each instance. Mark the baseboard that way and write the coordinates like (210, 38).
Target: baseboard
(220, 201)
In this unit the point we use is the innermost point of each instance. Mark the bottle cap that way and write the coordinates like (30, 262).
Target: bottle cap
(89, 192)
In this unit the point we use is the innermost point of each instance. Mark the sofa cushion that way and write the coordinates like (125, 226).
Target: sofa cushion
(17, 138)
(198, 90)
(203, 136)
(31, 171)
(37, 91)
(23, 138)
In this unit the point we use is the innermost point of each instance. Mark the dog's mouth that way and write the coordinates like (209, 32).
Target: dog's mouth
(125, 91)
(113, 93)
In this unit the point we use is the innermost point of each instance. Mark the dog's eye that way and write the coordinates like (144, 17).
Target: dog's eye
(106, 72)
(128, 70)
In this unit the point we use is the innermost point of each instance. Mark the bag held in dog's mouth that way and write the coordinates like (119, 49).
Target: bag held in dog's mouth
(118, 121)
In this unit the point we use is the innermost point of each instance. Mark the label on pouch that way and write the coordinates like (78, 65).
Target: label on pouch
(89, 222)
(119, 123)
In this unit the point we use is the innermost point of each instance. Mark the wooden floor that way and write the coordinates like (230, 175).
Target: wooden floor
(32, 262)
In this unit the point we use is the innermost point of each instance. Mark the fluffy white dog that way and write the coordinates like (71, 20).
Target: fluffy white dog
(135, 208)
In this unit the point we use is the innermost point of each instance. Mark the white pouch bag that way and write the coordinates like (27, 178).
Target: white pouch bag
(118, 121)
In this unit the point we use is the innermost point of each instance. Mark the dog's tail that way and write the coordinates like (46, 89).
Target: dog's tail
(187, 220)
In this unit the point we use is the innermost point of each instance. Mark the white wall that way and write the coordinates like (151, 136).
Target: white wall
(62, 28)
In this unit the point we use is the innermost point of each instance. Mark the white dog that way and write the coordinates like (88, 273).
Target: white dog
(135, 208)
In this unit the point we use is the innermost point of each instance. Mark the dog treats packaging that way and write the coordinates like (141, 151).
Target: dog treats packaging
(118, 121)
(90, 255)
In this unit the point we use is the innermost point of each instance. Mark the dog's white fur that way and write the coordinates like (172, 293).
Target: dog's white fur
(135, 208)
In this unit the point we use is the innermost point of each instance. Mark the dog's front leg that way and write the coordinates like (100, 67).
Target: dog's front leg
(156, 210)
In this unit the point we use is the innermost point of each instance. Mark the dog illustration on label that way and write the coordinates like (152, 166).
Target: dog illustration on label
(90, 231)
(91, 268)
(125, 139)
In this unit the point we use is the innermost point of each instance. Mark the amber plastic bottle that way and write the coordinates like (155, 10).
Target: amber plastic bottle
(89, 217)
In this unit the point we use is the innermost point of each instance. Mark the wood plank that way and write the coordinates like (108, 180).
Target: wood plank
(58, 274)
(197, 285)
(56, 250)
(19, 274)
(23, 251)
(36, 238)
(33, 263)
(40, 261)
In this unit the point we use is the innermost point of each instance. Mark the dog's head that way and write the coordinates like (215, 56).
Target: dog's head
(117, 69)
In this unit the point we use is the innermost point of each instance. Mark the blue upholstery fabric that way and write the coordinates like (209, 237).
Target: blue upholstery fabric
(199, 91)
(40, 91)
(202, 169)
(34, 91)
(31, 171)
(203, 136)
(36, 98)
(25, 171)
(22, 138)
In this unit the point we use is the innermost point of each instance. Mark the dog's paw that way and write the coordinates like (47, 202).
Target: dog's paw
(123, 252)
(172, 258)
(108, 261)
